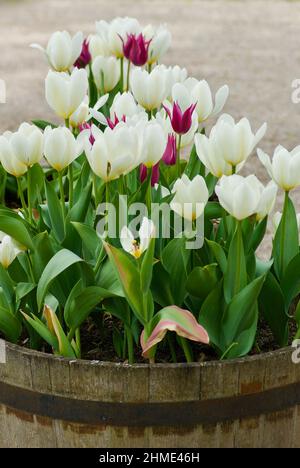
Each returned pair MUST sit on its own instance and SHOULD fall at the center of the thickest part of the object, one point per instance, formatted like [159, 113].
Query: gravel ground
[252, 45]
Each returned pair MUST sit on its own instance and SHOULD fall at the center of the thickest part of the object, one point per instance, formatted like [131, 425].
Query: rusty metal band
[187, 414]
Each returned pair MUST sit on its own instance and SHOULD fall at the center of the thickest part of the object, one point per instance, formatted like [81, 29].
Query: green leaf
[23, 289]
[239, 322]
[58, 264]
[175, 258]
[16, 227]
[147, 267]
[42, 124]
[213, 210]
[218, 254]
[235, 278]
[82, 302]
[9, 324]
[258, 235]
[89, 237]
[55, 212]
[42, 330]
[286, 242]
[202, 280]
[130, 279]
[64, 346]
[211, 314]
[272, 306]
[291, 281]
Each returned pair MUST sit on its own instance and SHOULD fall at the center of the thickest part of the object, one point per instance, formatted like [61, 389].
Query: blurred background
[252, 45]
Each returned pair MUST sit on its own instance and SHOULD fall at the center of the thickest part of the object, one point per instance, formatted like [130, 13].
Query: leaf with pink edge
[175, 319]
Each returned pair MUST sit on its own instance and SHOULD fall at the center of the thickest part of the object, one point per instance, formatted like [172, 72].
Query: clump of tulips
[133, 131]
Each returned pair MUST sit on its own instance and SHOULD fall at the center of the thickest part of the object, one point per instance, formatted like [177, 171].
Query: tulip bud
[191, 197]
[85, 57]
[65, 93]
[267, 200]
[135, 49]
[243, 197]
[154, 174]
[80, 115]
[60, 147]
[62, 50]
[106, 72]
[112, 34]
[154, 143]
[284, 168]
[149, 89]
[170, 154]
[21, 150]
[181, 116]
[8, 251]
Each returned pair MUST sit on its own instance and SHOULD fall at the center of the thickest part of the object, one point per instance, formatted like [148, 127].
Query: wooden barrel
[47, 401]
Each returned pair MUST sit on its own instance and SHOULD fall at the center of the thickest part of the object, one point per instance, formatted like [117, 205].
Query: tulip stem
[78, 341]
[71, 183]
[29, 195]
[186, 349]
[21, 195]
[178, 157]
[128, 76]
[122, 74]
[67, 123]
[62, 194]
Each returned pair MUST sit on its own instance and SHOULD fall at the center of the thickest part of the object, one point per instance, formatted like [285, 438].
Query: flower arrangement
[132, 211]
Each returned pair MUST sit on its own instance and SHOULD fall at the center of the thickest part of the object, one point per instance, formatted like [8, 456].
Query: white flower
[106, 72]
[240, 196]
[115, 151]
[60, 147]
[267, 200]
[202, 95]
[276, 221]
[191, 197]
[228, 146]
[111, 33]
[8, 250]
[284, 168]
[146, 233]
[97, 46]
[155, 142]
[62, 50]
[161, 39]
[21, 150]
[81, 114]
[124, 105]
[65, 93]
[149, 89]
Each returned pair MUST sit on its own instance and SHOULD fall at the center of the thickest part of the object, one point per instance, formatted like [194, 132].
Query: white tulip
[267, 200]
[284, 168]
[65, 93]
[201, 93]
[8, 251]
[161, 39]
[228, 146]
[111, 33]
[149, 89]
[97, 46]
[21, 150]
[106, 72]
[115, 151]
[276, 221]
[62, 50]
[124, 105]
[81, 114]
[155, 142]
[147, 232]
[240, 196]
[60, 147]
[191, 197]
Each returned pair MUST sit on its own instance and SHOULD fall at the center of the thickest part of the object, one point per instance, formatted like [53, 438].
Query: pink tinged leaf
[174, 319]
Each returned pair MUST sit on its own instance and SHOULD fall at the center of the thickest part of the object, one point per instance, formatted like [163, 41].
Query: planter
[51, 402]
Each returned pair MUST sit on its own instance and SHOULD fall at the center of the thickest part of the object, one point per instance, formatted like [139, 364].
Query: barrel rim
[264, 357]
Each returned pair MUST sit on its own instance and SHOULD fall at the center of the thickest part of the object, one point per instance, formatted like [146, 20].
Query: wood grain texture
[211, 383]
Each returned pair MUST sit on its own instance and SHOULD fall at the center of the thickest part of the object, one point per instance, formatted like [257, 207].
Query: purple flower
[155, 174]
[85, 56]
[87, 126]
[169, 157]
[181, 121]
[136, 49]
